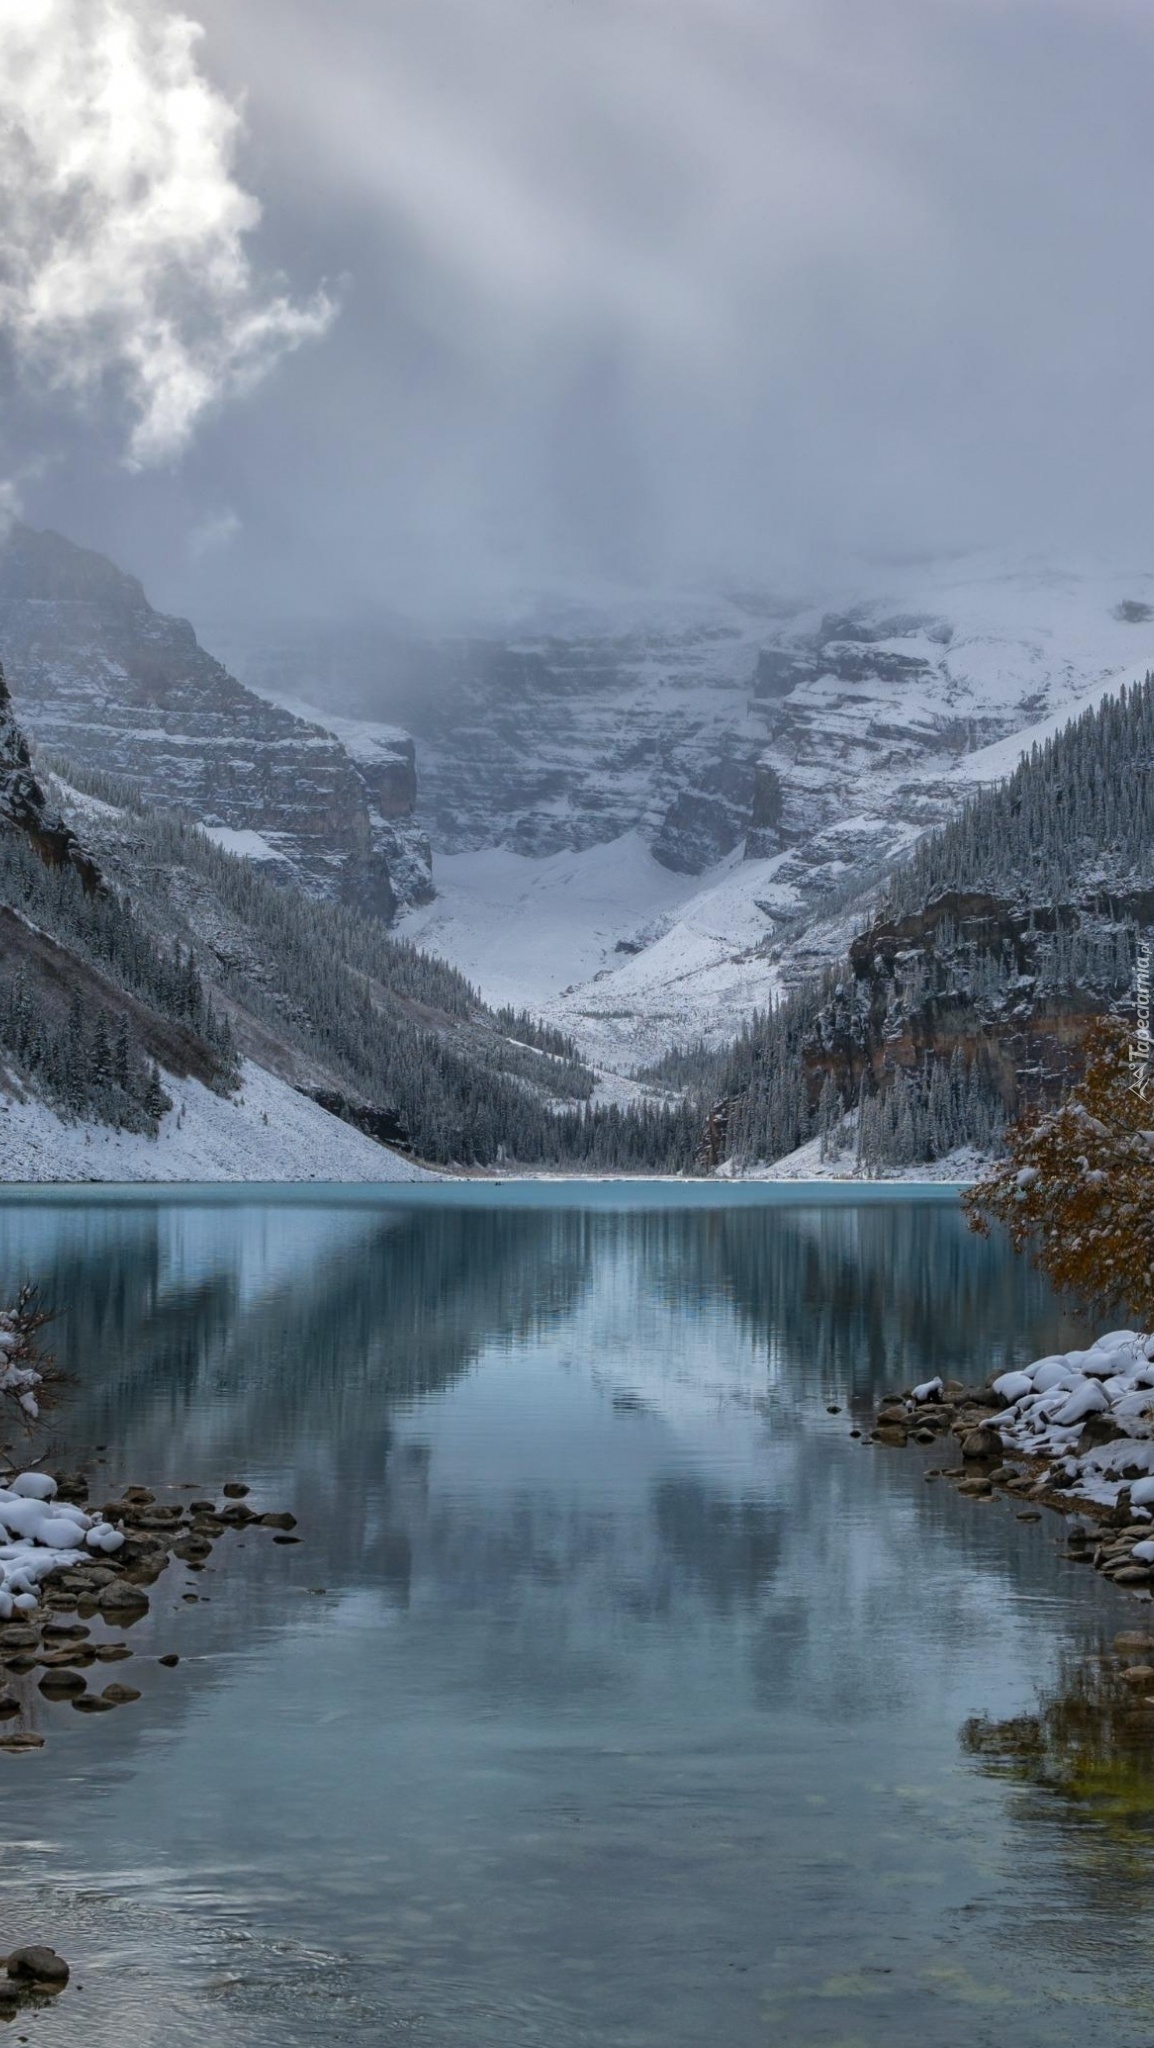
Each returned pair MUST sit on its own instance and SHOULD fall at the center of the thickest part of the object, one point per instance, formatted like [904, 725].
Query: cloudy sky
[392, 302]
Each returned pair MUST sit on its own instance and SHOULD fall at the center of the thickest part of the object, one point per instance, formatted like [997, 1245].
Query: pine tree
[156, 1101]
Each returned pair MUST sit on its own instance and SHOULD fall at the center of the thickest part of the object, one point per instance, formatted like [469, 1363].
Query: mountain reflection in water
[614, 1692]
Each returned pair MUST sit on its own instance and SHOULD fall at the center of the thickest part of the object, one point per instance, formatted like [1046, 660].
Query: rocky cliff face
[778, 757]
[826, 738]
[24, 806]
[99, 676]
[1015, 985]
[553, 741]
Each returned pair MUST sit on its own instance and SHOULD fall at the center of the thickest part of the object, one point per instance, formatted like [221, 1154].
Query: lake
[616, 1695]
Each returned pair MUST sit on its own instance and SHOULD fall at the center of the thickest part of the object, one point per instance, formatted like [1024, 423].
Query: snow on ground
[267, 1132]
[546, 933]
[245, 843]
[700, 978]
[962, 1165]
[526, 930]
[362, 738]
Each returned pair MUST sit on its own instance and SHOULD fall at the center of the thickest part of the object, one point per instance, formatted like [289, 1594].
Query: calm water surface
[614, 1695]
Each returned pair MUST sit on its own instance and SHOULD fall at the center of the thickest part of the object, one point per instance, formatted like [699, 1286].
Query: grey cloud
[656, 288]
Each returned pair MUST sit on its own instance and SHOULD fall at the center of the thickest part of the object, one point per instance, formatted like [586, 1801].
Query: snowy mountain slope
[266, 1132]
[528, 929]
[875, 717]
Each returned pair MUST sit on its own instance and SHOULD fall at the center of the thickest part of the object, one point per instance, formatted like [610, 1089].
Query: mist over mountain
[633, 469]
[634, 296]
[649, 819]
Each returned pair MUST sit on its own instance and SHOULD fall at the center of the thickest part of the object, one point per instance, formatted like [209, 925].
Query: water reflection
[628, 1710]
[1087, 1751]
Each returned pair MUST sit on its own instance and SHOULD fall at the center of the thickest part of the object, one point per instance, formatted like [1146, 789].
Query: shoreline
[574, 1191]
[1072, 1433]
[68, 1606]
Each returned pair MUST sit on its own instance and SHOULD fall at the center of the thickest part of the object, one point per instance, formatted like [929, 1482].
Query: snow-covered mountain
[649, 818]
[101, 677]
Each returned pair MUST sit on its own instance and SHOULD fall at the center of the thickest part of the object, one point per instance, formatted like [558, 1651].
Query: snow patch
[247, 845]
[266, 1132]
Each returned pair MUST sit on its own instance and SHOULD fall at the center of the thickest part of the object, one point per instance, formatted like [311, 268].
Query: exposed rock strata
[102, 678]
[978, 973]
[24, 805]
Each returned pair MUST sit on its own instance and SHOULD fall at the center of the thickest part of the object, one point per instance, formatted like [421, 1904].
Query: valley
[652, 817]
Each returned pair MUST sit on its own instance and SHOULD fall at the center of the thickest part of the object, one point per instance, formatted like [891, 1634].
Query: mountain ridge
[101, 677]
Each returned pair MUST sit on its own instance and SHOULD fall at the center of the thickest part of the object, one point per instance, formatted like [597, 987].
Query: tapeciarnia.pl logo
[1139, 1053]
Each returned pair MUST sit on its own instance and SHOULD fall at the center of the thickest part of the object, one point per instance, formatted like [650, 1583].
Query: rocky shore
[74, 1581]
[1072, 1432]
[70, 1603]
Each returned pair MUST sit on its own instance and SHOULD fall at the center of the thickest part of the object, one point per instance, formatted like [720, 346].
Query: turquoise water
[614, 1693]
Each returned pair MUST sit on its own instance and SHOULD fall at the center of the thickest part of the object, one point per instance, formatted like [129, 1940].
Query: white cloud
[123, 265]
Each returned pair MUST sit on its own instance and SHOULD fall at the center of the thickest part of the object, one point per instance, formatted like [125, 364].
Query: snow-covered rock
[40, 1535]
[1049, 1403]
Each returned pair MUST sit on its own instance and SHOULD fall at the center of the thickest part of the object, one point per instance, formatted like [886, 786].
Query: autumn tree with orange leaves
[1076, 1185]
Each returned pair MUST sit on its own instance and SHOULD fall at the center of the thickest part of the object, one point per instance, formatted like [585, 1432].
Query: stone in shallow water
[981, 1443]
[62, 1685]
[18, 1638]
[123, 1695]
[38, 1964]
[92, 1703]
[24, 1739]
[121, 1597]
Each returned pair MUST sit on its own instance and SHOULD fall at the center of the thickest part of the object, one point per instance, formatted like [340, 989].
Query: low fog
[342, 310]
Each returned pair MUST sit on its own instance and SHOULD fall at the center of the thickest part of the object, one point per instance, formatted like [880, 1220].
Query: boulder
[981, 1443]
[38, 1965]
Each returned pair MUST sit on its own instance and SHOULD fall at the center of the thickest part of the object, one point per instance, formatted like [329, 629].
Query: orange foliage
[1077, 1183]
